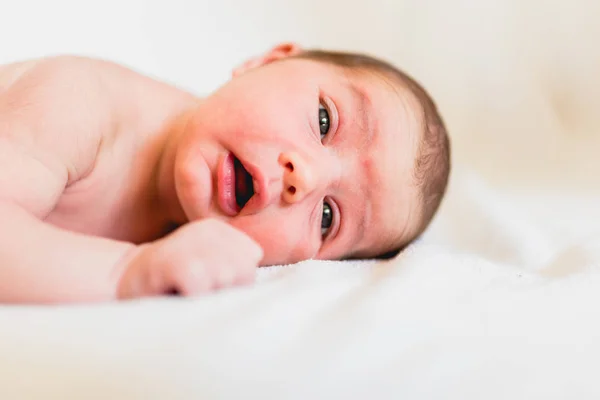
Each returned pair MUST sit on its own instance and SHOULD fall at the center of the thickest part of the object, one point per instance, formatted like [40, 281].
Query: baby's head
[316, 155]
[431, 167]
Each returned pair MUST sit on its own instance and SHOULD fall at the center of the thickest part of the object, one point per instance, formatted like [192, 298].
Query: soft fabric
[505, 307]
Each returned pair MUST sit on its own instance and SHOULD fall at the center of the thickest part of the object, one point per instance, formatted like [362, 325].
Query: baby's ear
[278, 52]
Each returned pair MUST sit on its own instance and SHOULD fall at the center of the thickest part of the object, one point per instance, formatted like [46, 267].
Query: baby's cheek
[281, 242]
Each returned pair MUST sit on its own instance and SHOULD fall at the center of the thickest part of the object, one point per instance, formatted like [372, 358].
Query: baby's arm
[40, 263]
[52, 119]
[43, 264]
[41, 152]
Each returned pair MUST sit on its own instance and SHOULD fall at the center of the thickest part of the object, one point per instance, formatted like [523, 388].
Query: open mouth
[244, 186]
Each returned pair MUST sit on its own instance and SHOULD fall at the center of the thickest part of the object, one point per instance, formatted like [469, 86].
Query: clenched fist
[199, 257]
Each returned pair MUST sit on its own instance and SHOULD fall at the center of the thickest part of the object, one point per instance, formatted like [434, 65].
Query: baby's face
[310, 160]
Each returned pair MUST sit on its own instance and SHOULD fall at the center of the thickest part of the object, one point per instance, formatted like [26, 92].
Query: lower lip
[226, 185]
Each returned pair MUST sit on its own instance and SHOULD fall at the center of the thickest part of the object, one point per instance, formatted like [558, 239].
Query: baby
[114, 185]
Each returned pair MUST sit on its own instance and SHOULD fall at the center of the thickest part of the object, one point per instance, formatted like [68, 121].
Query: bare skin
[69, 128]
[115, 186]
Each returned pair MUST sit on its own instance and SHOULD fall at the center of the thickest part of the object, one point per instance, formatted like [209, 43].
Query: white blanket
[495, 302]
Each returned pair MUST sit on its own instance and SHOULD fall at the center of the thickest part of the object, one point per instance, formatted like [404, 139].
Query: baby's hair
[432, 163]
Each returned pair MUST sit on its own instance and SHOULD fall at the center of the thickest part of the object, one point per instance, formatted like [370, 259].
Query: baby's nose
[299, 178]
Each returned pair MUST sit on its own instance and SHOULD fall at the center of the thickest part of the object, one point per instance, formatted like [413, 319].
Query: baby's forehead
[394, 106]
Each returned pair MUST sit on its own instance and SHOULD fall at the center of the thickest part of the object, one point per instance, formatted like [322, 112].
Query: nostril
[290, 166]
[292, 190]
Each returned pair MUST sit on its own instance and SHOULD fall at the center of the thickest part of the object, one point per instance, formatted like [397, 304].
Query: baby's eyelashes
[324, 121]
[326, 220]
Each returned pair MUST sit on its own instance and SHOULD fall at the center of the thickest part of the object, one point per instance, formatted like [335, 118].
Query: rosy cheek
[304, 249]
[281, 242]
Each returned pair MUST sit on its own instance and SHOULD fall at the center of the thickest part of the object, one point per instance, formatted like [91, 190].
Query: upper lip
[261, 195]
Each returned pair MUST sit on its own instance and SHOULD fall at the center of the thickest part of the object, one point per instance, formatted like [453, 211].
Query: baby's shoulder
[57, 110]
[10, 73]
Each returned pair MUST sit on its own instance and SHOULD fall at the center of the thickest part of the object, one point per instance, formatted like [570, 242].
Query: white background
[509, 75]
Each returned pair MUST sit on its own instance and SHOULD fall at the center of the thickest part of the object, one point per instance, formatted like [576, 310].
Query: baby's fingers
[189, 278]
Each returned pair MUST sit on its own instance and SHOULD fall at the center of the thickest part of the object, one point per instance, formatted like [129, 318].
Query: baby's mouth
[244, 187]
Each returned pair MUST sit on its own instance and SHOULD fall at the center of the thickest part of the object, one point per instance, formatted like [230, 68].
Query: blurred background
[516, 80]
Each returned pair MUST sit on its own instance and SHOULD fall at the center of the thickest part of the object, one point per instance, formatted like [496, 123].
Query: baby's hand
[199, 257]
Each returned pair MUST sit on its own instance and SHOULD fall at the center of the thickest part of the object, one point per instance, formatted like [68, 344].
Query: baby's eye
[323, 121]
[327, 219]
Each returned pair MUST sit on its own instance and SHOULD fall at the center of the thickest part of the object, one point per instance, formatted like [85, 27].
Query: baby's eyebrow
[363, 111]
[357, 203]
[361, 226]
[356, 230]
